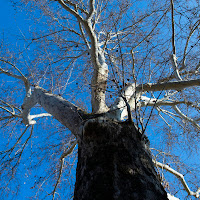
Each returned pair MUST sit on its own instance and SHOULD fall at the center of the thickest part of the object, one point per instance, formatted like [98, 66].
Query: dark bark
[114, 163]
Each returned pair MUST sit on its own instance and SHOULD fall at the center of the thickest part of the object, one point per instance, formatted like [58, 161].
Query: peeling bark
[114, 163]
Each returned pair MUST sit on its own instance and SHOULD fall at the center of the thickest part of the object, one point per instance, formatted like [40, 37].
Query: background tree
[103, 57]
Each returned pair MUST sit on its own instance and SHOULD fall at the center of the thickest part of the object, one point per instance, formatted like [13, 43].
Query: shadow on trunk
[113, 163]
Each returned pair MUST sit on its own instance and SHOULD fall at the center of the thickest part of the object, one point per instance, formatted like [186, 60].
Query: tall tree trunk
[114, 163]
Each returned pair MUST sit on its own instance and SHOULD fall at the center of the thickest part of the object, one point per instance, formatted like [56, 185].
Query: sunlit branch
[40, 115]
[100, 74]
[180, 177]
[175, 85]
[65, 112]
[92, 9]
[170, 126]
[189, 72]
[175, 67]
[171, 115]
[186, 118]
[84, 36]
[73, 12]
[76, 6]
[146, 101]
[133, 61]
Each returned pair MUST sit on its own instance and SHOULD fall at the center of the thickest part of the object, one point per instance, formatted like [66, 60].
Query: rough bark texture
[113, 163]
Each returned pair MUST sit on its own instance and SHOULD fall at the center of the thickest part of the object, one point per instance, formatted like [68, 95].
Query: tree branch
[186, 118]
[175, 85]
[22, 77]
[73, 12]
[146, 101]
[65, 154]
[92, 10]
[65, 112]
[196, 25]
[180, 177]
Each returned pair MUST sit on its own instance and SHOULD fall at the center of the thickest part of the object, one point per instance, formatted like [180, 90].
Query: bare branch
[175, 85]
[186, 118]
[18, 140]
[65, 112]
[22, 150]
[65, 154]
[196, 25]
[5, 61]
[175, 67]
[73, 12]
[11, 74]
[144, 39]
[146, 101]
[92, 9]
[22, 77]
[84, 36]
[179, 176]
[40, 115]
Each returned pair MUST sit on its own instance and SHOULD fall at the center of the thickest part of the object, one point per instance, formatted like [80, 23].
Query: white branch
[179, 176]
[186, 118]
[175, 67]
[146, 101]
[73, 12]
[92, 9]
[175, 85]
[40, 115]
[65, 112]
[119, 108]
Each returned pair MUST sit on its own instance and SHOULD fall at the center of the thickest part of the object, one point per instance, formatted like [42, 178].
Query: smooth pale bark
[175, 85]
[100, 68]
[114, 163]
[65, 112]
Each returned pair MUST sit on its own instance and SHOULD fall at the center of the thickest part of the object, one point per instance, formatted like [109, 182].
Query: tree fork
[114, 163]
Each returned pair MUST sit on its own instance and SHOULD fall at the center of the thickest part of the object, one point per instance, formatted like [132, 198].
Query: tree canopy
[126, 59]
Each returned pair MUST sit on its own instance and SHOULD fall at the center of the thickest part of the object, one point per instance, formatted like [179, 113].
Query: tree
[135, 63]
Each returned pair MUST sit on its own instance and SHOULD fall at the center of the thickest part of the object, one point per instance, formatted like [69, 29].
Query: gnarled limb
[65, 112]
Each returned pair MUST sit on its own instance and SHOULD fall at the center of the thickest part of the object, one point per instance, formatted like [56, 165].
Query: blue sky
[9, 21]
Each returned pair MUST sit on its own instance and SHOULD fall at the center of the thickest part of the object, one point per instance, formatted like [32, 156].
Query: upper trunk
[114, 163]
